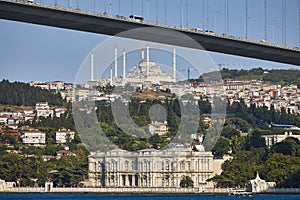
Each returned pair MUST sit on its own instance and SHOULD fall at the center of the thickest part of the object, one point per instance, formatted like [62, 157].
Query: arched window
[145, 165]
[132, 165]
[167, 165]
[112, 165]
[108, 166]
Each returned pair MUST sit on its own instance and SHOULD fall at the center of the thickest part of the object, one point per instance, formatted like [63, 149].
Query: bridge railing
[153, 24]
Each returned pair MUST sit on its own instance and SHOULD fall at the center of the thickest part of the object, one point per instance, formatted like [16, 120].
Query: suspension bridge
[107, 23]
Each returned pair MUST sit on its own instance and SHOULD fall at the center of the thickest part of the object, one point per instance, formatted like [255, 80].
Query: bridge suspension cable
[227, 18]
[246, 19]
[284, 22]
[165, 11]
[181, 12]
[187, 13]
[156, 11]
[265, 13]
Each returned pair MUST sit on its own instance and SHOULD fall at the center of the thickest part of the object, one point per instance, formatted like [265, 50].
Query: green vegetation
[241, 137]
[276, 76]
[186, 182]
[30, 165]
[272, 164]
[22, 94]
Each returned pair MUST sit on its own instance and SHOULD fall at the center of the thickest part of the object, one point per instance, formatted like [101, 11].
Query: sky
[39, 53]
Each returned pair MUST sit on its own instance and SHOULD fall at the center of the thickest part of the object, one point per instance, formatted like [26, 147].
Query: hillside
[22, 94]
[277, 76]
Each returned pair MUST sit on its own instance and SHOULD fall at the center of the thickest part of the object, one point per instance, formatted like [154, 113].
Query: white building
[274, 139]
[144, 74]
[34, 137]
[56, 85]
[42, 109]
[159, 128]
[150, 168]
[59, 111]
[259, 185]
[63, 135]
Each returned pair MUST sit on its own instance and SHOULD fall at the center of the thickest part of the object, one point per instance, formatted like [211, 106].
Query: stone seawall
[111, 190]
[134, 190]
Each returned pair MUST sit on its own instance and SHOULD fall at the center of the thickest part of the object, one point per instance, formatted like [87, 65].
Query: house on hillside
[42, 109]
[34, 137]
[62, 136]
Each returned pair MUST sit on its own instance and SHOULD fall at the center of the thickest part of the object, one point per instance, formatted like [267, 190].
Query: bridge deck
[112, 25]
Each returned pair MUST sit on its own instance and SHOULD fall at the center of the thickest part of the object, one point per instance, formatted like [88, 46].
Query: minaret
[111, 73]
[147, 53]
[92, 66]
[143, 56]
[124, 64]
[174, 64]
[147, 60]
[116, 62]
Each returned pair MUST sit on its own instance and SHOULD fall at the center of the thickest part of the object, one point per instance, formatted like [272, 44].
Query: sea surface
[146, 196]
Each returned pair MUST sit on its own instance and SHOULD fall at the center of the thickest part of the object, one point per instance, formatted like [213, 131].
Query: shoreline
[74, 190]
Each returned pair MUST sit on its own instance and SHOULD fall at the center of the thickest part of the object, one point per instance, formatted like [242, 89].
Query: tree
[9, 138]
[256, 140]
[221, 147]
[282, 169]
[288, 146]
[186, 182]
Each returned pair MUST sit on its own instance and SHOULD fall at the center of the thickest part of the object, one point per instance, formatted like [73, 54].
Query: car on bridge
[136, 18]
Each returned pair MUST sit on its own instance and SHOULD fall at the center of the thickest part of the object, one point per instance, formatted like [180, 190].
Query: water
[145, 197]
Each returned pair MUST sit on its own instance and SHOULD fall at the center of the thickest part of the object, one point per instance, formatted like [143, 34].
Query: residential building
[42, 109]
[34, 137]
[4, 118]
[59, 111]
[159, 128]
[62, 136]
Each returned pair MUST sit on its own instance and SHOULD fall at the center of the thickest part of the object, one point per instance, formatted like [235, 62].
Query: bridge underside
[109, 26]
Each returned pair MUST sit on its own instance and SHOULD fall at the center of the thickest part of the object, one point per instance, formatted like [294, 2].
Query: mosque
[145, 73]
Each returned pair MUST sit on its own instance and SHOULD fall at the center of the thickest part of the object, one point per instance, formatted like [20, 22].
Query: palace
[151, 168]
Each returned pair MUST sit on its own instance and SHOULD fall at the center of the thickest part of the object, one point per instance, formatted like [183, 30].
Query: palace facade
[151, 168]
